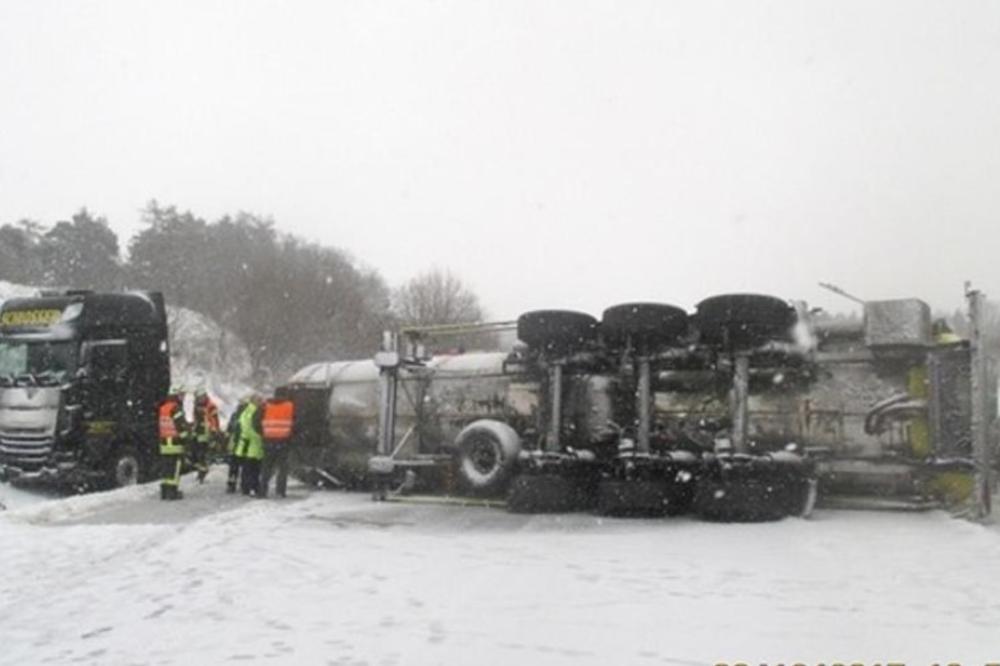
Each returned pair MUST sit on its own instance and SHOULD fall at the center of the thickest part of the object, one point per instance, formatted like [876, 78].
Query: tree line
[290, 301]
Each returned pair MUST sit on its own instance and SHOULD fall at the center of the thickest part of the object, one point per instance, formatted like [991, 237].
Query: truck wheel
[638, 497]
[644, 324]
[797, 496]
[545, 493]
[743, 320]
[486, 452]
[738, 501]
[556, 330]
[124, 468]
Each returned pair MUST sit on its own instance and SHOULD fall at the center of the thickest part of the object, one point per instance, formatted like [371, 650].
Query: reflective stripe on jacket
[171, 447]
[278, 418]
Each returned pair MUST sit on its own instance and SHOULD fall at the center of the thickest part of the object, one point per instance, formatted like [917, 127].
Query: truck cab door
[107, 383]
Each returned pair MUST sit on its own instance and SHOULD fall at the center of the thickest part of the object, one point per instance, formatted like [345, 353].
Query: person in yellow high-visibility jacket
[173, 433]
[250, 447]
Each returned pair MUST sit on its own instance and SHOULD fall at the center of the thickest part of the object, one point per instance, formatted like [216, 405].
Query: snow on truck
[81, 375]
[743, 410]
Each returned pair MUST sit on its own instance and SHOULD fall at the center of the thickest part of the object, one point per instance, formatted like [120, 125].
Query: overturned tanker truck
[746, 409]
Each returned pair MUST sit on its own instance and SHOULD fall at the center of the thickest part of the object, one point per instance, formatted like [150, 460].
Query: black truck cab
[81, 376]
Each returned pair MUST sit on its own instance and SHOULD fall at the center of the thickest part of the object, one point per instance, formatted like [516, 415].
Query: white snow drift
[123, 578]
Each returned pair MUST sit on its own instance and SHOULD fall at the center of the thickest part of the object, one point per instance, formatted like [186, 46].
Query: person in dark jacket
[233, 440]
[206, 430]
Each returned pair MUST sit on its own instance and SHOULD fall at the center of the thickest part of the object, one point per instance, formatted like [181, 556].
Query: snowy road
[329, 578]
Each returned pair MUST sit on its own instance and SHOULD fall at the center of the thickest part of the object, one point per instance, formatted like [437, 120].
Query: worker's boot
[170, 492]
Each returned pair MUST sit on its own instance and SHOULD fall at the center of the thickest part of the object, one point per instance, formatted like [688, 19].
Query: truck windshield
[42, 360]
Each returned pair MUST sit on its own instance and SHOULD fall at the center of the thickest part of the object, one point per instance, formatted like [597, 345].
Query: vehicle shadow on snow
[346, 510]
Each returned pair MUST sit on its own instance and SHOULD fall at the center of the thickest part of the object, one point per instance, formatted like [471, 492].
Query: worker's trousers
[199, 458]
[234, 472]
[275, 463]
[170, 476]
[250, 476]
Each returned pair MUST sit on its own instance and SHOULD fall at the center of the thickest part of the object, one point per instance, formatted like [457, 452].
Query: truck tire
[485, 453]
[766, 487]
[736, 501]
[743, 321]
[636, 497]
[545, 493]
[124, 468]
[556, 330]
[648, 325]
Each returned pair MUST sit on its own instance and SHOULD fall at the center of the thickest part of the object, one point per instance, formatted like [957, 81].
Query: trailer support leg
[980, 394]
[643, 407]
[387, 377]
[552, 443]
[740, 396]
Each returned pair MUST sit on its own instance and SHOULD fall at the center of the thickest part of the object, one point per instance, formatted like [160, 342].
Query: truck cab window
[108, 362]
[53, 359]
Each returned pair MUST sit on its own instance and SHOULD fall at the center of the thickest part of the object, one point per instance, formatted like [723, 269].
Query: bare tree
[439, 297]
[436, 297]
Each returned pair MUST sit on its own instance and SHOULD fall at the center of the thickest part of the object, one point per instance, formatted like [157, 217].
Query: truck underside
[747, 409]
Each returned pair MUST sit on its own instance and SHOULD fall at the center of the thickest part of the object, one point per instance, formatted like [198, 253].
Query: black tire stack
[743, 321]
[723, 487]
[552, 335]
[737, 487]
[557, 332]
[643, 326]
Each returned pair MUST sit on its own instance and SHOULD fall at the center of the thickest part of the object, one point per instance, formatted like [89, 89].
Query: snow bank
[30, 505]
[12, 290]
[204, 355]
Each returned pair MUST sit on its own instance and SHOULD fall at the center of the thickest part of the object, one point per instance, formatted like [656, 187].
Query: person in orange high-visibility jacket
[277, 426]
[206, 432]
[173, 433]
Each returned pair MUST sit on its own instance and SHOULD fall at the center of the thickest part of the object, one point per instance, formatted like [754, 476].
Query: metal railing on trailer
[400, 351]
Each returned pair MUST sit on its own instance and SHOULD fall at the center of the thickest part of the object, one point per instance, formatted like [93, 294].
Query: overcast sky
[552, 154]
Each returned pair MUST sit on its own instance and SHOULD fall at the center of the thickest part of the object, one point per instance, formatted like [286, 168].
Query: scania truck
[81, 375]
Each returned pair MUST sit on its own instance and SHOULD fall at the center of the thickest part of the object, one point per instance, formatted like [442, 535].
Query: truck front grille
[25, 451]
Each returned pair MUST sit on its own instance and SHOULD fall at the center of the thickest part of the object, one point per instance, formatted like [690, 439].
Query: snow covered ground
[333, 578]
